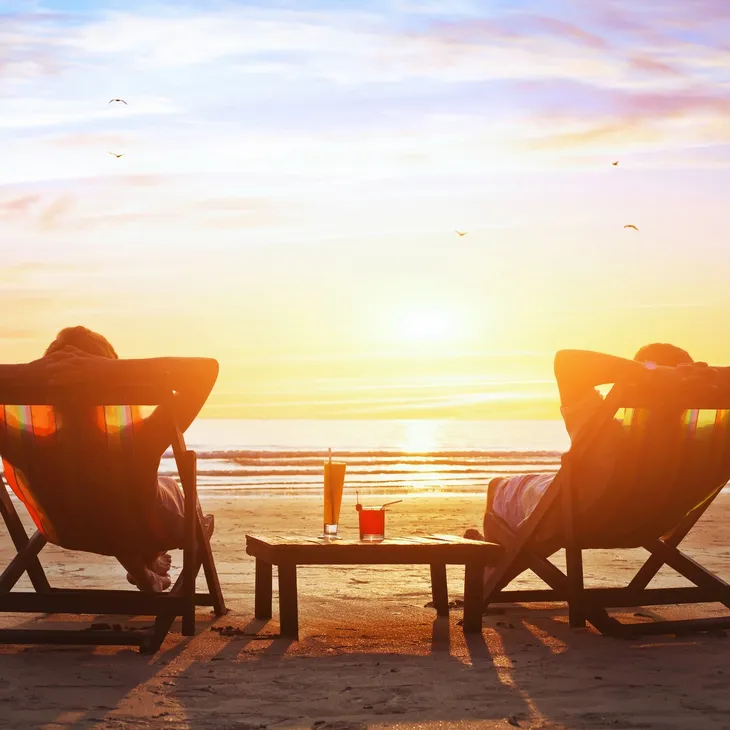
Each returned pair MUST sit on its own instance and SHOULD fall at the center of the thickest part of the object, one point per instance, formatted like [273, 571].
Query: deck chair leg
[507, 567]
[20, 539]
[191, 563]
[19, 564]
[553, 577]
[654, 563]
[211, 573]
[164, 622]
[558, 581]
[574, 564]
[691, 570]
[573, 555]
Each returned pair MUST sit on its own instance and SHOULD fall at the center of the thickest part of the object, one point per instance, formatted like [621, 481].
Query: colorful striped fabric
[670, 465]
[27, 429]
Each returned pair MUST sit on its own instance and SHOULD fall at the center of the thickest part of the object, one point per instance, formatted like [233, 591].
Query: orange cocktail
[334, 482]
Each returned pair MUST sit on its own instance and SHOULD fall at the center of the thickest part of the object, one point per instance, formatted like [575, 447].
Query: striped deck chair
[669, 471]
[35, 451]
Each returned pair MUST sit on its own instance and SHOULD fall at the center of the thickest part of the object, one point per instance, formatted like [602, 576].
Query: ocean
[382, 456]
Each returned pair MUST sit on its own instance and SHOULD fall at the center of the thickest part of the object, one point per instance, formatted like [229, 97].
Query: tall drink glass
[334, 482]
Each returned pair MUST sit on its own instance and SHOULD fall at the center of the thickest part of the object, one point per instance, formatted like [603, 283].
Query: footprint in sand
[339, 725]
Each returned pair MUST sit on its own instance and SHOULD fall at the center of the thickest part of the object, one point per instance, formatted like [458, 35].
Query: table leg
[473, 597]
[439, 589]
[288, 610]
[262, 591]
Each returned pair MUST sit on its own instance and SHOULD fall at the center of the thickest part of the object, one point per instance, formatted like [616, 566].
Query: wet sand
[371, 654]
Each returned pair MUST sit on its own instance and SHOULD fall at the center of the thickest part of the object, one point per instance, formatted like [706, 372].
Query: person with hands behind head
[80, 357]
[578, 374]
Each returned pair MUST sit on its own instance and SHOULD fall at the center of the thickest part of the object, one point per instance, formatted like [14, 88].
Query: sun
[426, 326]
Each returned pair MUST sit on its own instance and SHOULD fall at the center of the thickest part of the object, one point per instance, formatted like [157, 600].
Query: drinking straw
[387, 504]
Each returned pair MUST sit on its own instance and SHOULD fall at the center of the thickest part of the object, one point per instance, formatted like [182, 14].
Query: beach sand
[371, 654]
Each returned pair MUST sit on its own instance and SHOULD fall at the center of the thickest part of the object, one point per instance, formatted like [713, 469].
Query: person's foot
[150, 582]
[161, 564]
[473, 534]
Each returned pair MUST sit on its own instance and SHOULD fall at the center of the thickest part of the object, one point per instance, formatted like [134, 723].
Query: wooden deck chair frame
[589, 605]
[180, 601]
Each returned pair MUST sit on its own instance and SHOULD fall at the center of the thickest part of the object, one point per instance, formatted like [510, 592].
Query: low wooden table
[438, 551]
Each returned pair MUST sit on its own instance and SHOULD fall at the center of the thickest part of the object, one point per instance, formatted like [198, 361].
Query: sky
[293, 174]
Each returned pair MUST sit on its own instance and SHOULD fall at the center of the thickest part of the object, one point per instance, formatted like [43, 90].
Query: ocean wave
[320, 455]
[256, 473]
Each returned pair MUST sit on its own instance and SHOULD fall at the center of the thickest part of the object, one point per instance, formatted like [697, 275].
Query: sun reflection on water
[421, 436]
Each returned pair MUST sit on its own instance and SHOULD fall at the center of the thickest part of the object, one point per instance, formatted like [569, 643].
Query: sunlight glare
[421, 436]
[427, 326]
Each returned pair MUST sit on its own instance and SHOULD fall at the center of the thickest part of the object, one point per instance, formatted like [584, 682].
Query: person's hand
[69, 367]
[698, 372]
[664, 377]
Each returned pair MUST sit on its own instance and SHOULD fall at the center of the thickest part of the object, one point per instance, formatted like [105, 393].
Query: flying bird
[117, 155]
[462, 233]
[118, 100]
[631, 225]
[615, 164]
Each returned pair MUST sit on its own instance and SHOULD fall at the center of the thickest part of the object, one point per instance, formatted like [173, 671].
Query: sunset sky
[293, 174]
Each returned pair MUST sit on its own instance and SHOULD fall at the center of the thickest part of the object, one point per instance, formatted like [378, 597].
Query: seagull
[462, 233]
[114, 154]
[118, 100]
[615, 164]
[631, 225]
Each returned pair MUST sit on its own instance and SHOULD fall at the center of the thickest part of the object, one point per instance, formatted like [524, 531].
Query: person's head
[662, 353]
[83, 339]
[79, 415]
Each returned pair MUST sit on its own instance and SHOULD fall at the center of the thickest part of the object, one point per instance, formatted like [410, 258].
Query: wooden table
[438, 551]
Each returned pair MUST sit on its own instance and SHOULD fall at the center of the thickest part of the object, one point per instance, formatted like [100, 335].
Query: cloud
[19, 205]
[251, 88]
[16, 333]
[653, 67]
[102, 140]
[54, 214]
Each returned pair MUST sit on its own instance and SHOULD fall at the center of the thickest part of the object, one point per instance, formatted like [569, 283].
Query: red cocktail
[372, 523]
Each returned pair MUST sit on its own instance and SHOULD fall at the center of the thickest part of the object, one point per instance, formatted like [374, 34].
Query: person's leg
[493, 490]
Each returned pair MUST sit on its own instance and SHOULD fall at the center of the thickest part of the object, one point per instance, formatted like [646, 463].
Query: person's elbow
[568, 375]
[210, 372]
[202, 375]
[564, 363]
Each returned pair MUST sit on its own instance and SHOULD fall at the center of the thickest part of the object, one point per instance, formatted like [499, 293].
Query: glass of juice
[372, 523]
[334, 482]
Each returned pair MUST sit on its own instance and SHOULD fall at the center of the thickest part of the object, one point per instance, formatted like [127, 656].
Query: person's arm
[192, 378]
[29, 373]
[578, 372]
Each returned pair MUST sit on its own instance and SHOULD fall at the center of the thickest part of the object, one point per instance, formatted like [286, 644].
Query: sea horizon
[237, 456]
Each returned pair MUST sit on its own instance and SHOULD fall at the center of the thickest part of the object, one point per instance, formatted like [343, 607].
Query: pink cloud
[564, 29]
[19, 205]
[675, 105]
[616, 133]
[653, 66]
[510, 28]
